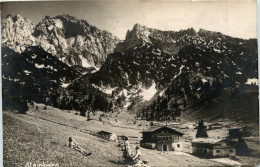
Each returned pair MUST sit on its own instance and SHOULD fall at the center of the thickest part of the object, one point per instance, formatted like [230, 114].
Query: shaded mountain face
[174, 71]
[32, 75]
[36, 75]
[73, 41]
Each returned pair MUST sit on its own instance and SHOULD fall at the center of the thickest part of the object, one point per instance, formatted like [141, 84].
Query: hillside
[230, 104]
[159, 80]
[41, 141]
[36, 75]
[43, 136]
[44, 131]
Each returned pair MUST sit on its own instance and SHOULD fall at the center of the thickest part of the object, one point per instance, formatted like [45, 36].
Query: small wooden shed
[104, 134]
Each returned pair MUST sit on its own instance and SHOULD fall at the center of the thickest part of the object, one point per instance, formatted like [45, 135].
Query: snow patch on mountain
[34, 56]
[204, 80]
[217, 50]
[64, 85]
[127, 104]
[106, 90]
[252, 81]
[149, 93]
[26, 72]
[84, 62]
[123, 92]
[180, 71]
[39, 65]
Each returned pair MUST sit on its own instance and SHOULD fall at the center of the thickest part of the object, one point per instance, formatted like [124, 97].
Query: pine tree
[201, 132]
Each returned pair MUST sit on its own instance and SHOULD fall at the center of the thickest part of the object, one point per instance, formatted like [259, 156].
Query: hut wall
[177, 146]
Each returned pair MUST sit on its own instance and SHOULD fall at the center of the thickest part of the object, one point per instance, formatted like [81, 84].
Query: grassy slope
[42, 135]
[28, 139]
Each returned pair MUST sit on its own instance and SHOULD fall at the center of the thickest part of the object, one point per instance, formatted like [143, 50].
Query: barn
[213, 147]
[108, 135]
[104, 134]
[162, 139]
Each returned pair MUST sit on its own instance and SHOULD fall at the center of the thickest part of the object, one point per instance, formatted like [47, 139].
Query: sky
[235, 18]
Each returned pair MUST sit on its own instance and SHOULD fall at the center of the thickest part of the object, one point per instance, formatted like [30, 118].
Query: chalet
[108, 135]
[213, 147]
[162, 139]
[104, 134]
[215, 126]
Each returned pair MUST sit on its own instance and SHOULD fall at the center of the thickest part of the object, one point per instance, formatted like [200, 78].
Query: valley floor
[42, 136]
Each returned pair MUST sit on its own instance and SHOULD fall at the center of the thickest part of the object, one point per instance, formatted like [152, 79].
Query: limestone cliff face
[73, 41]
[17, 32]
[168, 41]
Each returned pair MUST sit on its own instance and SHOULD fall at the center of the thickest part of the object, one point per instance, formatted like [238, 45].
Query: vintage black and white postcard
[137, 84]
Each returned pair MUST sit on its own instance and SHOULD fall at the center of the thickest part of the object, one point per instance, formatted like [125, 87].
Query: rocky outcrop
[17, 32]
[168, 41]
[73, 41]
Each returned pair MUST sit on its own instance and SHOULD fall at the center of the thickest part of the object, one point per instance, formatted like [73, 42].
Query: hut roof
[207, 140]
[155, 129]
[104, 132]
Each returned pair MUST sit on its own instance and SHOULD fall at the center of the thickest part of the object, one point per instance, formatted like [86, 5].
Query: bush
[21, 107]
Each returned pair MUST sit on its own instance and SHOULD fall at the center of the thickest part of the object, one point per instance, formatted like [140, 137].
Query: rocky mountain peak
[137, 36]
[169, 41]
[66, 16]
[15, 17]
[191, 31]
[17, 32]
[207, 33]
[138, 32]
[73, 41]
